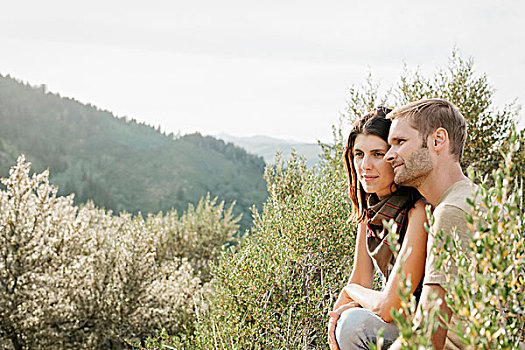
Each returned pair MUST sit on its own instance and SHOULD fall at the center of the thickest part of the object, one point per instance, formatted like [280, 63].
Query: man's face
[411, 161]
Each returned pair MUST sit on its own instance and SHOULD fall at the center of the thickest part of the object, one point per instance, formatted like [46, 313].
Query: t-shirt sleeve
[446, 218]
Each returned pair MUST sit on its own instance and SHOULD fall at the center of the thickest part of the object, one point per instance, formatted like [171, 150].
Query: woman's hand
[332, 323]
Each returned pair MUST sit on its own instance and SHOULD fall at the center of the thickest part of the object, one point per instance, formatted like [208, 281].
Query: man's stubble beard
[415, 169]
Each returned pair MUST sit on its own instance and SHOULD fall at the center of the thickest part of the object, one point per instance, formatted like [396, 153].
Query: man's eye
[400, 142]
[379, 154]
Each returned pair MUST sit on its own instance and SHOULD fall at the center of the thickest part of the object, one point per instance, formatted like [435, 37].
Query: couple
[398, 162]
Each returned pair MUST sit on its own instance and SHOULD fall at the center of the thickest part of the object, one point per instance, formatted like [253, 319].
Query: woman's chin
[369, 188]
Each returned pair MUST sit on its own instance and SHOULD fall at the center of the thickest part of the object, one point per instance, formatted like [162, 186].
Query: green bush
[271, 290]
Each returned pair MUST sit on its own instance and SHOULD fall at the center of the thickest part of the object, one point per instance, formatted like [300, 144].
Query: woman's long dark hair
[374, 123]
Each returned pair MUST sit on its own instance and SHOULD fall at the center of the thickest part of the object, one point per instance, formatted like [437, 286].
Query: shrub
[272, 290]
[83, 278]
[198, 235]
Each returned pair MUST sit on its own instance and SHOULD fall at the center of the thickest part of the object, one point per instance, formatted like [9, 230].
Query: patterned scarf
[395, 207]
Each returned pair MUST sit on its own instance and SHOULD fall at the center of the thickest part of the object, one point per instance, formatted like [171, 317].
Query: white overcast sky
[276, 68]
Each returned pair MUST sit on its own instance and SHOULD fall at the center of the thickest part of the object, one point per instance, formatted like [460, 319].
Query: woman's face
[374, 173]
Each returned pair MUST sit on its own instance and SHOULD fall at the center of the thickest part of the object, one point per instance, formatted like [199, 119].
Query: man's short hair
[427, 115]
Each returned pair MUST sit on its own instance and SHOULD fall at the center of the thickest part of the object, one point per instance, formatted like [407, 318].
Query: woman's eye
[359, 154]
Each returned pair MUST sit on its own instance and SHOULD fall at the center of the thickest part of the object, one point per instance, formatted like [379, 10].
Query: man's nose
[390, 155]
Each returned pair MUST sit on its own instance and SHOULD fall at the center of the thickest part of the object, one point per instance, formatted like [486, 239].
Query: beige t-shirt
[450, 213]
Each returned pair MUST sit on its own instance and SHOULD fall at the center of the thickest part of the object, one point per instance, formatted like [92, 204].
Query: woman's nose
[366, 163]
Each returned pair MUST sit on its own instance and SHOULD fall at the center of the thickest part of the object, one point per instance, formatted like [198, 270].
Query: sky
[276, 68]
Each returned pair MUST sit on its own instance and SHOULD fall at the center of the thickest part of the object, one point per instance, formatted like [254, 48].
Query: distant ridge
[267, 147]
[119, 163]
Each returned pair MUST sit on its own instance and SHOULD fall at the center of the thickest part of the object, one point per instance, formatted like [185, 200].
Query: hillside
[267, 147]
[118, 163]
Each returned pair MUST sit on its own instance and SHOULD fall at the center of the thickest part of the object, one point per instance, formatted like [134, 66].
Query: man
[427, 139]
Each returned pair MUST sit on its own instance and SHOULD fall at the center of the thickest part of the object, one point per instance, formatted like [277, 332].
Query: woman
[360, 311]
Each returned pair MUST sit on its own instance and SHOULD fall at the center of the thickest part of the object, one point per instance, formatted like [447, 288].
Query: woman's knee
[353, 327]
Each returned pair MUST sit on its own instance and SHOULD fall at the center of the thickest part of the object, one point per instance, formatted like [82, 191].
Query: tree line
[118, 163]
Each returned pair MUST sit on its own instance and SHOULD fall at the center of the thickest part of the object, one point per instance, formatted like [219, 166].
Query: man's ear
[439, 139]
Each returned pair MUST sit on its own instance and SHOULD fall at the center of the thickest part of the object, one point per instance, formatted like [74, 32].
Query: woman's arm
[363, 270]
[413, 251]
[362, 274]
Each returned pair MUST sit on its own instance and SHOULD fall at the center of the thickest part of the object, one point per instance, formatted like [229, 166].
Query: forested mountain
[121, 164]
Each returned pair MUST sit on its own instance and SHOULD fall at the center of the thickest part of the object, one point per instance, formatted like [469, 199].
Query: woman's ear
[439, 139]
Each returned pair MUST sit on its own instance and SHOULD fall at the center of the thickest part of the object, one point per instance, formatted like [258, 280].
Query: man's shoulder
[456, 197]
[451, 211]
[447, 216]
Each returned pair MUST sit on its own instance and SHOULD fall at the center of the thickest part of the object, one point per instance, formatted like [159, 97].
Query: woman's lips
[369, 178]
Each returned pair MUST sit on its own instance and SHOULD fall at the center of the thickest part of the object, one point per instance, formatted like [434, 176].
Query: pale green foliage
[198, 235]
[488, 291]
[83, 278]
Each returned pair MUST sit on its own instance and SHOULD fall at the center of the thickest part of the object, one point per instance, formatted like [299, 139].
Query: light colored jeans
[357, 328]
